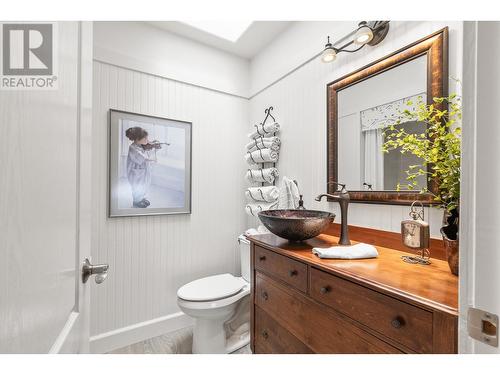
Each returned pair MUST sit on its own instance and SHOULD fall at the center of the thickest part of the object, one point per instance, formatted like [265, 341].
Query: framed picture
[149, 165]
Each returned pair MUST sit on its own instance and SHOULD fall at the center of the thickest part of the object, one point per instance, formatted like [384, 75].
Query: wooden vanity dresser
[303, 304]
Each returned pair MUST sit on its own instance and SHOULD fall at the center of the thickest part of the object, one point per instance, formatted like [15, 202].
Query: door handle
[99, 270]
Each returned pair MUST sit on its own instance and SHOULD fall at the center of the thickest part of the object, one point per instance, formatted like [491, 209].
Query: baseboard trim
[108, 341]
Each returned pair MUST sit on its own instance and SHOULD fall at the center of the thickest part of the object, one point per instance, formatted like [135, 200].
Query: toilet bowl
[220, 307]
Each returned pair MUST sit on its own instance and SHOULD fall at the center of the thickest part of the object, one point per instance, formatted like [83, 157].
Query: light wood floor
[178, 342]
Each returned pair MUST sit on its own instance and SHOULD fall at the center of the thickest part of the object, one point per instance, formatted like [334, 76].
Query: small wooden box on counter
[303, 304]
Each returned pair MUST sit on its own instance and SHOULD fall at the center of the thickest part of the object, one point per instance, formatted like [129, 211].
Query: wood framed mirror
[359, 101]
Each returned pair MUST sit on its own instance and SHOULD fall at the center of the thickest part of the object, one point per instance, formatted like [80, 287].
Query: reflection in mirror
[365, 111]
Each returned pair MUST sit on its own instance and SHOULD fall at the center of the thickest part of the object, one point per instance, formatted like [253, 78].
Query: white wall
[145, 48]
[480, 259]
[151, 257]
[297, 44]
[300, 102]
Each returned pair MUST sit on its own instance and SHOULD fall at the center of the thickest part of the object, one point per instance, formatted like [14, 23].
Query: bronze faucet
[341, 196]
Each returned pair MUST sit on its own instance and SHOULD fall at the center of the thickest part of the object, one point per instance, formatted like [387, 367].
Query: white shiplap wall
[151, 257]
[299, 101]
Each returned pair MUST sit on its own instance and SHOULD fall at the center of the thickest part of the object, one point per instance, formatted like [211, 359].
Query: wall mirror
[363, 103]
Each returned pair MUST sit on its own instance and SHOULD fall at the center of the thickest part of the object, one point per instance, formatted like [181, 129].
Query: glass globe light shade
[363, 35]
[329, 54]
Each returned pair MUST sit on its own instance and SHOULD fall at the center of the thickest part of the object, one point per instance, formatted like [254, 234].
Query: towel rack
[261, 131]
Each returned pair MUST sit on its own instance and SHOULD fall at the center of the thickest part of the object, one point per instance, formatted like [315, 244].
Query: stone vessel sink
[296, 225]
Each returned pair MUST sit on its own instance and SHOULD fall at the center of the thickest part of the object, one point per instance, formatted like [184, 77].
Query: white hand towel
[358, 251]
[264, 130]
[289, 194]
[274, 143]
[253, 209]
[263, 193]
[265, 155]
[260, 230]
[262, 175]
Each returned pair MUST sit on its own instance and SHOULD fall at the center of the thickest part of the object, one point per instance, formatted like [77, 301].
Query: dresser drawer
[271, 338]
[402, 322]
[290, 271]
[320, 328]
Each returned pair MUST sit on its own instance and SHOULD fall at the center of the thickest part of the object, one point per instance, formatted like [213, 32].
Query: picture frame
[149, 165]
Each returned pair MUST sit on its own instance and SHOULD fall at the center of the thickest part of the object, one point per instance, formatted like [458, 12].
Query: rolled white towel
[263, 193]
[267, 129]
[274, 143]
[262, 175]
[253, 209]
[358, 251]
[265, 155]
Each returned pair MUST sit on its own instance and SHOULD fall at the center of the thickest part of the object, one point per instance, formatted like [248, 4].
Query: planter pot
[451, 247]
[449, 231]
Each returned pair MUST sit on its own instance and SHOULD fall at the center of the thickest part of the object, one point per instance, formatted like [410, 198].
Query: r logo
[27, 49]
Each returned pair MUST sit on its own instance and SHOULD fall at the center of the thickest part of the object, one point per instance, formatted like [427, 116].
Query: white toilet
[220, 305]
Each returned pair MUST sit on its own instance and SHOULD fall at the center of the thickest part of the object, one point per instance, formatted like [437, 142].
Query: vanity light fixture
[371, 33]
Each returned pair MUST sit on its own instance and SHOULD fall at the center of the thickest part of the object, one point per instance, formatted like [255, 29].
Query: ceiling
[256, 37]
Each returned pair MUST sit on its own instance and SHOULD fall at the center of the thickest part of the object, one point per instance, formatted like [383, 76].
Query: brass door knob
[265, 334]
[265, 296]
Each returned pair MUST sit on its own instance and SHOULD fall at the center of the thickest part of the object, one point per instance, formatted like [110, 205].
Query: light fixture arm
[378, 28]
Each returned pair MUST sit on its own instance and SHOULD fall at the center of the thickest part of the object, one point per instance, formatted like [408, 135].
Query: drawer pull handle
[397, 323]
[262, 258]
[265, 296]
[324, 289]
[265, 334]
[292, 273]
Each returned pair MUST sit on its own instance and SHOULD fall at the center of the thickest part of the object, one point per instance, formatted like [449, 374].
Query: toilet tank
[244, 246]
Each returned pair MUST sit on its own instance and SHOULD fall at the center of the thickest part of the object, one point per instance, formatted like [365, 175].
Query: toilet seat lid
[211, 288]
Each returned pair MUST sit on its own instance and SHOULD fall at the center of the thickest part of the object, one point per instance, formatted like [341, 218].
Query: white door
[45, 203]
[480, 205]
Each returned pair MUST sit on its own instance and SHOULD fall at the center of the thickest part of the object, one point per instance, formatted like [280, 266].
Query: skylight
[229, 30]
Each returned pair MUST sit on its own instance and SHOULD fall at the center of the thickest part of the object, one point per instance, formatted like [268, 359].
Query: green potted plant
[438, 147]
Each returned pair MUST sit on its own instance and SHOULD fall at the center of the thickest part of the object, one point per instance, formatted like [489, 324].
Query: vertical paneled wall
[151, 257]
[299, 102]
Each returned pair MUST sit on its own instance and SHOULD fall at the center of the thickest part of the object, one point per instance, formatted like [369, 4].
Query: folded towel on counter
[274, 143]
[267, 129]
[253, 209]
[289, 194]
[263, 193]
[262, 175]
[358, 251]
[260, 230]
[265, 155]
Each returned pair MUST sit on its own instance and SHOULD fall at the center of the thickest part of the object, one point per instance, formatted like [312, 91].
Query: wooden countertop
[431, 286]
